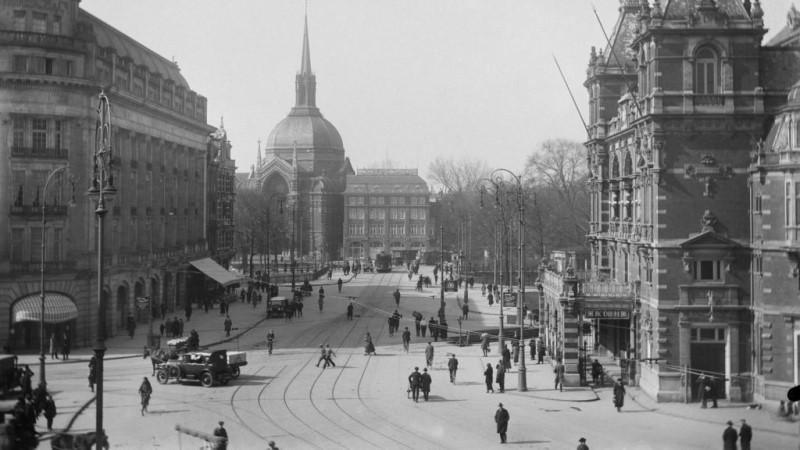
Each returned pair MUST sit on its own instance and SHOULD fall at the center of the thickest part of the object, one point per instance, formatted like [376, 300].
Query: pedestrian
[540, 351]
[321, 298]
[532, 345]
[396, 296]
[582, 444]
[322, 356]
[222, 433]
[271, 444]
[414, 383]
[406, 339]
[745, 435]
[188, 311]
[485, 344]
[483, 290]
[175, 327]
[619, 394]
[65, 345]
[501, 418]
[49, 411]
[423, 326]
[228, 325]
[161, 329]
[429, 355]
[329, 354]
[53, 346]
[26, 381]
[729, 437]
[180, 327]
[506, 356]
[350, 311]
[339, 283]
[417, 319]
[488, 376]
[465, 310]
[169, 327]
[130, 325]
[452, 366]
[490, 299]
[707, 391]
[92, 365]
[501, 375]
[145, 389]
[559, 371]
[434, 329]
[369, 346]
[597, 371]
[425, 383]
[515, 347]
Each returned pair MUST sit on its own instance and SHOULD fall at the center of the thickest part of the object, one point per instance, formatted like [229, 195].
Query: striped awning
[58, 308]
[214, 271]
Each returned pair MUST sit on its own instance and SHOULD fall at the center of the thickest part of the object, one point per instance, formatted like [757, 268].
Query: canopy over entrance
[58, 308]
[214, 271]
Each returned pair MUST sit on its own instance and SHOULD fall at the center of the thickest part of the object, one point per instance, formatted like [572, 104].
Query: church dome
[305, 131]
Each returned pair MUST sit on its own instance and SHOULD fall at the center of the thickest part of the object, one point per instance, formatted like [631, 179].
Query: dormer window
[705, 71]
[39, 24]
[19, 20]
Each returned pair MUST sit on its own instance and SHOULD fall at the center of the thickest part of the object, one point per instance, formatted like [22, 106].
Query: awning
[58, 308]
[214, 271]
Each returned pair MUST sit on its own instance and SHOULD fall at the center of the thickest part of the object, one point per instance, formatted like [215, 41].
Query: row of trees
[262, 229]
[478, 201]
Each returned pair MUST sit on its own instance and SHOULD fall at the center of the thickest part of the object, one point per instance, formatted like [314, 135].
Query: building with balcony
[54, 61]
[683, 104]
[387, 211]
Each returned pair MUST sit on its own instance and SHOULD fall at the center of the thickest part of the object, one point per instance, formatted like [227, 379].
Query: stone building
[387, 211]
[54, 61]
[678, 105]
[221, 189]
[304, 162]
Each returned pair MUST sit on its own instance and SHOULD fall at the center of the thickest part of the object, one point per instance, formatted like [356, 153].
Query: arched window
[705, 71]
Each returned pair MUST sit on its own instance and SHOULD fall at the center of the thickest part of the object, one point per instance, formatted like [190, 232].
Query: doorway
[708, 355]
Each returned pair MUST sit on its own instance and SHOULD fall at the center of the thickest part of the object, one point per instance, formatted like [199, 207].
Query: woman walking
[619, 394]
[144, 391]
[485, 344]
[53, 346]
[488, 374]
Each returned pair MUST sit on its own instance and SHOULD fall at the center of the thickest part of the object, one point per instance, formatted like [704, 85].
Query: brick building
[678, 105]
[54, 60]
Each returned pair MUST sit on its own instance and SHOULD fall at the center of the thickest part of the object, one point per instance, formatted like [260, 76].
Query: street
[362, 402]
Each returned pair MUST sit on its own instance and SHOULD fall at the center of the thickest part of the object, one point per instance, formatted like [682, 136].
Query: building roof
[386, 181]
[789, 33]
[126, 47]
[306, 130]
[622, 36]
[681, 9]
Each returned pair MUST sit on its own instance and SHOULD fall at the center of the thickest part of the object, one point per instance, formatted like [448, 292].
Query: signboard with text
[142, 303]
[617, 314]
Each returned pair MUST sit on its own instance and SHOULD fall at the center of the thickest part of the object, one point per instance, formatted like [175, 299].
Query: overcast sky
[403, 81]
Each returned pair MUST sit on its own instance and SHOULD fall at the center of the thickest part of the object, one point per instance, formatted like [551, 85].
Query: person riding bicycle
[270, 339]
[145, 389]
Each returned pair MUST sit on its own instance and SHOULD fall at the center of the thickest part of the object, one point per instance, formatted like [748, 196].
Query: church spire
[305, 81]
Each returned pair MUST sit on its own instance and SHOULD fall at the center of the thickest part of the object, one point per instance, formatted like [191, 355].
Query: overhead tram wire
[585, 127]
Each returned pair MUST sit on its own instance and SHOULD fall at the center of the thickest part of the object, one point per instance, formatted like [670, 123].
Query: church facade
[304, 163]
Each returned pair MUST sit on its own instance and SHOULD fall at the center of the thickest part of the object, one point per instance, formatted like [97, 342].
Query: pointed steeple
[305, 81]
[258, 161]
[221, 123]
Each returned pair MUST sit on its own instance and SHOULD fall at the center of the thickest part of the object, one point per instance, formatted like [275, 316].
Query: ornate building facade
[678, 103]
[221, 196]
[304, 161]
[54, 61]
[386, 211]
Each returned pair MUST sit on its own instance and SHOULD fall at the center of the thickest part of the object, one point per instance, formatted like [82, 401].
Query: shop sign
[618, 314]
[142, 303]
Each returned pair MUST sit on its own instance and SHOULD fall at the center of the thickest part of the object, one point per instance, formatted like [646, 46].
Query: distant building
[221, 188]
[304, 161]
[54, 60]
[386, 210]
[688, 119]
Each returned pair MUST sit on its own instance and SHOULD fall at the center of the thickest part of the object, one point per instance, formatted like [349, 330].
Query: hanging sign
[616, 314]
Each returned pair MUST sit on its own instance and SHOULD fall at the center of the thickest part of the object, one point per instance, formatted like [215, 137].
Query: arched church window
[706, 71]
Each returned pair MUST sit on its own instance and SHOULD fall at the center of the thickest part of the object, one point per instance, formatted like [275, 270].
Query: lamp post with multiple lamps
[102, 188]
[72, 180]
[497, 204]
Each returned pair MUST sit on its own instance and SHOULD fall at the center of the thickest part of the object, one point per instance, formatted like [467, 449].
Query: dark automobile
[207, 368]
[277, 306]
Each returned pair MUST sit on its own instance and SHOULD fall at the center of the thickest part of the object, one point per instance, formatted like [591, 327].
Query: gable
[709, 240]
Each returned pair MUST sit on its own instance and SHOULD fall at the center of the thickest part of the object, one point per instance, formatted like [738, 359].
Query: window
[615, 204]
[705, 269]
[356, 200]
[19, 20]
[757, 203]
[56, 24]
[708, 334]
[36, 244]
[355, 229]
[355, 213]
[39, 24]
[397, 229]
[376, 228]
[39, 134]
[787, 213]
[377, 200]
[705, 71]
[18, 182]
[19, 132]
[418, 229]
[17, 244]
[377, 214]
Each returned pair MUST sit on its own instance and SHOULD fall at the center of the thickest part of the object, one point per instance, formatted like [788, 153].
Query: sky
[404, 81]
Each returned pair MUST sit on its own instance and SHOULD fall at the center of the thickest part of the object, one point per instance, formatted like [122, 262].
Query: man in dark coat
[501, 375]
[501, 418]
[350, 311]
[506, 357]
[429, 355]
[414, 382]
[425, 383]
[745, 435]
[707, 390]
[465, 310]
[452, 366]
[228, 325]
[729, 437]
[221, 433]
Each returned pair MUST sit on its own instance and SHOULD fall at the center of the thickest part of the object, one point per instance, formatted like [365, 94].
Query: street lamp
[72, 179]
[102, 186]
[499, 300]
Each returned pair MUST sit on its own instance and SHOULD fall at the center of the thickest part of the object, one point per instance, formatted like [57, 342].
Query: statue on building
[708, 221]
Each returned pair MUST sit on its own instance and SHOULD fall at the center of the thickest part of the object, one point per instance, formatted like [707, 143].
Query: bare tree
[458, 174]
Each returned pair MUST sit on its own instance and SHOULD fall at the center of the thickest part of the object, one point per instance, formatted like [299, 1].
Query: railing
[49, 266]
[709, 100]
[42, 153]
[587, 287]
[36, 210]
[25, 37]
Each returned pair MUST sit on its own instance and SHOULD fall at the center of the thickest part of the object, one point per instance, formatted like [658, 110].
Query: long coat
[729, 437]
[489, 375]
[619, 395]
[501, 418]
[425, 382]
[501, 373]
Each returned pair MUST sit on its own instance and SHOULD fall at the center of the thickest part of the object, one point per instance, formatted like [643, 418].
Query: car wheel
[161, 376]
[235, 371]
[206, 379]
[174, 372]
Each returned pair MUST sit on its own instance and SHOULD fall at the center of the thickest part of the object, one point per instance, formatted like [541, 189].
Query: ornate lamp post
[497, 204]
[101, 188]
[72, 179]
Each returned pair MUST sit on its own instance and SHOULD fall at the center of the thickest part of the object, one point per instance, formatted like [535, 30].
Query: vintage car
[277, 306]
[9, 374]
[207, 368]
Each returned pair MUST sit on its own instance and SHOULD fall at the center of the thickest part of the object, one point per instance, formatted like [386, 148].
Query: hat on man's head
[426, 369]
[416, 368]
[221, 422]
[730, 423]
[500, 405]
[582, 440]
